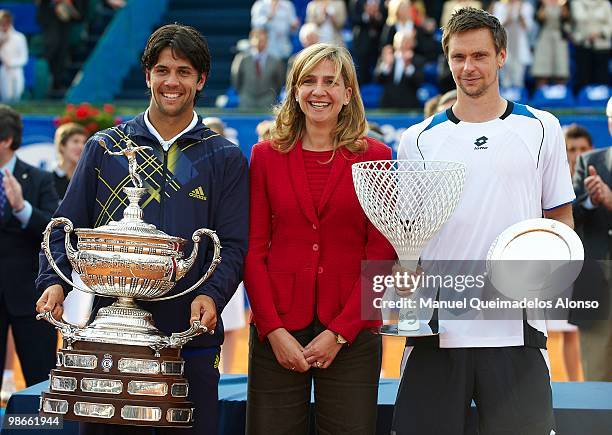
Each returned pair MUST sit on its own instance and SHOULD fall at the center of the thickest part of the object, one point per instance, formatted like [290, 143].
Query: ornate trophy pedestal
[118, 384]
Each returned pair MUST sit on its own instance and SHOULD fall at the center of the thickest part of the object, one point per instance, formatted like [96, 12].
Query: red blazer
[299, 261]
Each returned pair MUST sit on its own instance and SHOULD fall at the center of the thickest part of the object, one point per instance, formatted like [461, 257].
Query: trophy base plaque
[424, 331]
[119, 384]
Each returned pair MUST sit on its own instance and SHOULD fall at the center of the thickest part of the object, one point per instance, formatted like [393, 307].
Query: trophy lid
[129, 229]
[132, 226]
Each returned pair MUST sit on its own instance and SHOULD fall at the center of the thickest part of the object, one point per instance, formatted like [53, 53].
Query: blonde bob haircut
[65, 132]
[291, 121]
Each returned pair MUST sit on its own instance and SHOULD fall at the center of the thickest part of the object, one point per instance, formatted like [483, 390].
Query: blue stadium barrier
[553, 96]
[38, 131]
[594, 96]
[24, 16]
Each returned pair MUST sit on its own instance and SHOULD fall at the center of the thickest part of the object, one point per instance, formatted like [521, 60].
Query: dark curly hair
[185, 41]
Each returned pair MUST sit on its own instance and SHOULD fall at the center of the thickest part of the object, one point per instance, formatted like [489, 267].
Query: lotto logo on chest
[481, 143]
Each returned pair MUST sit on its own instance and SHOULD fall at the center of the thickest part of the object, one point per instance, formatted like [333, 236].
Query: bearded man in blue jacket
[194, 178]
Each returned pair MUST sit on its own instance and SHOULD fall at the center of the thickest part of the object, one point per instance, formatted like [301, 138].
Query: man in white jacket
[14, 56]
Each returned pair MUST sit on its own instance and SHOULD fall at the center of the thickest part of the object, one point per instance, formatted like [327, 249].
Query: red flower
[108, 108]
[82, 112]
[70, 108]
[57, 122]
[118, 121]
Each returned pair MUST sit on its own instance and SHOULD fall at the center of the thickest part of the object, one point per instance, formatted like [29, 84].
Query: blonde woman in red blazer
[308, 237]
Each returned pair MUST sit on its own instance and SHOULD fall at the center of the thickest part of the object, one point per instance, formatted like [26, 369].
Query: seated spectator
[330, 16]
[577, 141]
[279, 19]
[400, 71]
[591, 33]
[14, 56]
[551, 56]
[309, 35]
[439, 103]
[368, 18]
[517, 18]
[403, 16]
[256, 75]
[69, 142]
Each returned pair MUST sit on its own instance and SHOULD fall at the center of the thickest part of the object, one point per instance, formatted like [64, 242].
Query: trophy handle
[71, 253]
[178, 339]
[68, 330]
[183, 266]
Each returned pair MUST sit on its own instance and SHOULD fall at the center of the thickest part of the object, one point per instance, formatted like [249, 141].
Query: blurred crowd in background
[395, 45]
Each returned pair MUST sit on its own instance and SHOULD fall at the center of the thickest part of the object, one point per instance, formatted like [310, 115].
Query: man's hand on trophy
[405, 279]
[203, 308]
[52, 300]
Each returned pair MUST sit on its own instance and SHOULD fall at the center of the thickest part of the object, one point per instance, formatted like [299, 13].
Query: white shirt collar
[167, 143]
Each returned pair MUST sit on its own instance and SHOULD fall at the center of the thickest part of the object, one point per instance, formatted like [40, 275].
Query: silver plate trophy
[408, 201]
[535, 258]
[121, 369]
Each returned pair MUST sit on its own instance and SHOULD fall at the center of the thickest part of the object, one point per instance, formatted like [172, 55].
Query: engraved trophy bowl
[408, 201]
[121, 369]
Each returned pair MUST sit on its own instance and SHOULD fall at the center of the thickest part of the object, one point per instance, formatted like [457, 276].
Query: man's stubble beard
[482, 90]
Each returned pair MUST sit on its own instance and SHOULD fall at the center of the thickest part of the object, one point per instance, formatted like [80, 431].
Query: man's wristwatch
[340, 339]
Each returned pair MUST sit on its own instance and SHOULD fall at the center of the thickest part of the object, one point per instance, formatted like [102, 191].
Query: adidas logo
[198, 192]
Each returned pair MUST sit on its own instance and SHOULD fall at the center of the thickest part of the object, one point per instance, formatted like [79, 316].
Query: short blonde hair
[291, 121]
[264, 129]
[64, 132]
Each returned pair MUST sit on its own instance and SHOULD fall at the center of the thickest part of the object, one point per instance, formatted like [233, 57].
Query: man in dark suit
[368, 18]
[593, 218]
[27, 201]
[257, 76]
[401, 73]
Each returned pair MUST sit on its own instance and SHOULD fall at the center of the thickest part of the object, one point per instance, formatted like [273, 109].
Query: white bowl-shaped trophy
[408, 201]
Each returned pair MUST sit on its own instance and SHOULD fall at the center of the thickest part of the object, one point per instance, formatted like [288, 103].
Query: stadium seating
[371, 94]
[516, 94]
[426, 91]
[552, 96]
[594, 96]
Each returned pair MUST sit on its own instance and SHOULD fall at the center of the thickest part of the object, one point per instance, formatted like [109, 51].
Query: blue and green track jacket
[201, 181]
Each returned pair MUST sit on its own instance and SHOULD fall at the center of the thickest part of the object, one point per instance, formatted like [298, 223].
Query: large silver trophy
[408, 201]
[121, 369]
